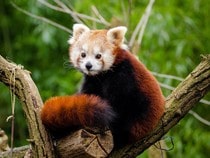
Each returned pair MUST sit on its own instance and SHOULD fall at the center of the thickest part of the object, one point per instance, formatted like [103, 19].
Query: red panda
[118, 91]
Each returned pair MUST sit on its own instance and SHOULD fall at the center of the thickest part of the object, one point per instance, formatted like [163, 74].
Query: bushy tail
[66, 112]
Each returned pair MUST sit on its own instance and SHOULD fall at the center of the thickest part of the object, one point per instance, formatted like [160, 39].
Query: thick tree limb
[85, 144]
[28, 94]
[181, 100]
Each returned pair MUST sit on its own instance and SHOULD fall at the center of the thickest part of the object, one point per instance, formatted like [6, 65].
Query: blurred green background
[177, 33]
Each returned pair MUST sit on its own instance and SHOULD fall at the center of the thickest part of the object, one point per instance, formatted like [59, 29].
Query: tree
[181, 100]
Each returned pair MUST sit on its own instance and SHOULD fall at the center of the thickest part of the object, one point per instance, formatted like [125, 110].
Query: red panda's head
[92, 51]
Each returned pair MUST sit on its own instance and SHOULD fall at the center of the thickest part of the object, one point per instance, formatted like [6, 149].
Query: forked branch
[181, 100]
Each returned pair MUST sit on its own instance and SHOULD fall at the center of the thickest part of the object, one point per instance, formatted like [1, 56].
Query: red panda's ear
[78, 30]
[116, 35]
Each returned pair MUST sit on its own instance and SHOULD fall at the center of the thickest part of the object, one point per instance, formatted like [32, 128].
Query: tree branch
[44, 19]
[181, 100]
[17, 152]
[28, 94]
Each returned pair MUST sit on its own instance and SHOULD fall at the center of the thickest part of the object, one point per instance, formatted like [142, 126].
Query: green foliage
[176, 34]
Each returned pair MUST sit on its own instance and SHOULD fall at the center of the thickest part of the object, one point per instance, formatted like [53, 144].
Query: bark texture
[17, 152]
[84, 144]
[19, 80]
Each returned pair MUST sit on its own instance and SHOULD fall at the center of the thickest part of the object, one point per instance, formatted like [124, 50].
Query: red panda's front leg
[140, 128]
[67, 112]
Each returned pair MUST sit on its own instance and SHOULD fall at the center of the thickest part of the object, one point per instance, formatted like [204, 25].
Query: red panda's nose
[88, 66]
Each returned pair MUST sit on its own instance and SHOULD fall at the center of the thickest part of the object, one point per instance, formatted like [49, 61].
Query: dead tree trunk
[181, 100]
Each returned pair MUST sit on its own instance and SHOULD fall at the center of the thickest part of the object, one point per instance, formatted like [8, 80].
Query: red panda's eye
[98, 56]
[83, 55]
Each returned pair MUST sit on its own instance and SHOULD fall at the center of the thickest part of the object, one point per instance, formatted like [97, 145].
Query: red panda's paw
[138, 131]
[142, 128]
[81, 110]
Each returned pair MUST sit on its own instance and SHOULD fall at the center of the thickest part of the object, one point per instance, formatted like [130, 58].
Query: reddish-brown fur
[66, 112]
[143, 127]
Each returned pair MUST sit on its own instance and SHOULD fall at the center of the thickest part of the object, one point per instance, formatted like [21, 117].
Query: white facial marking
[85, 47]
[108, 59]
[96, 50]
[88, 55]
[74, 55]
